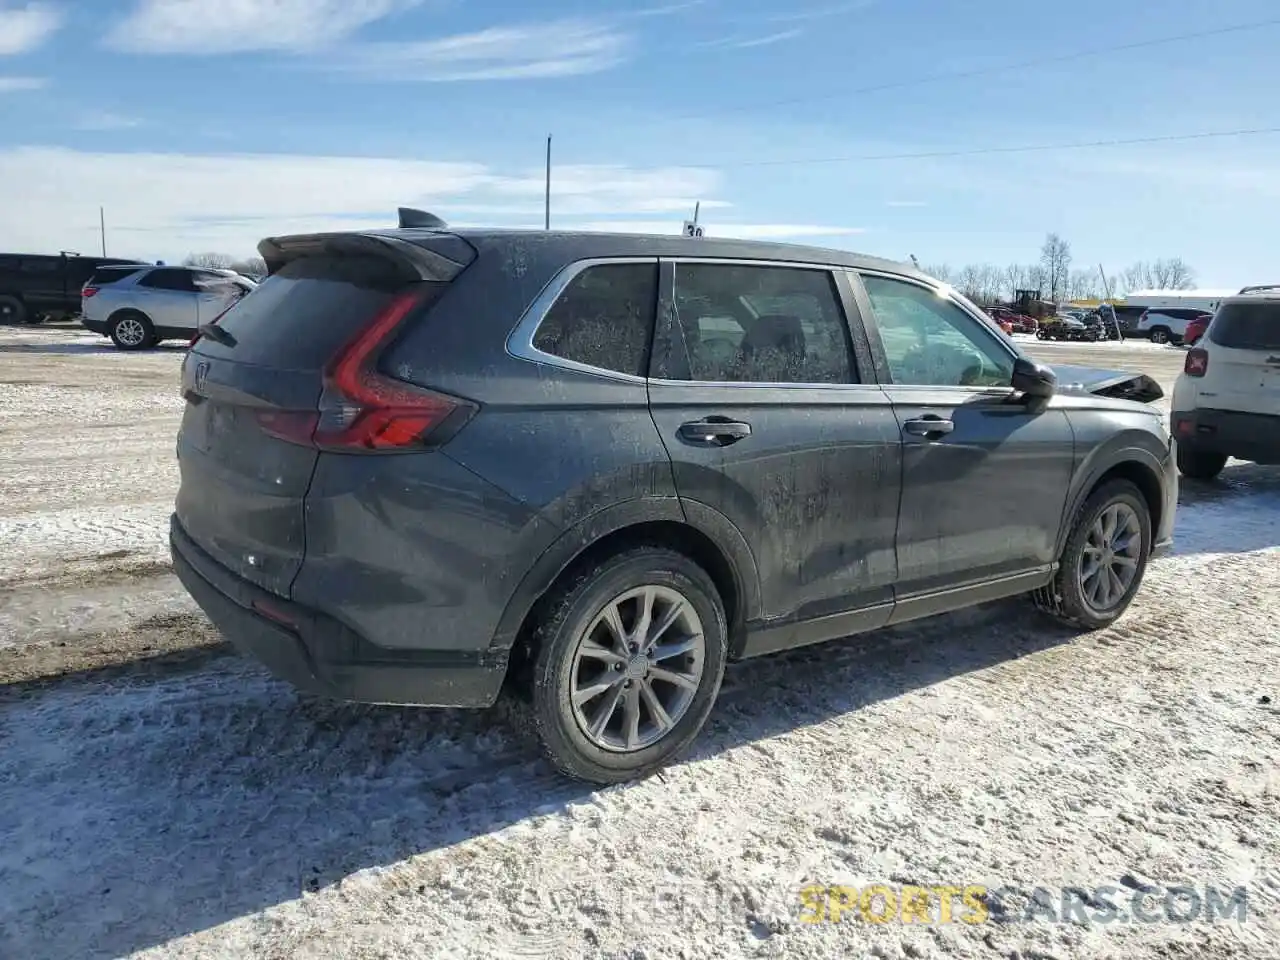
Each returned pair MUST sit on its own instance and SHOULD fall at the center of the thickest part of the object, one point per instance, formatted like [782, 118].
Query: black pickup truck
[34, 286]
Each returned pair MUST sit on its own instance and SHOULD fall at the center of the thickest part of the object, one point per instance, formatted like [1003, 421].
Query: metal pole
[102, 229]
[546, 221]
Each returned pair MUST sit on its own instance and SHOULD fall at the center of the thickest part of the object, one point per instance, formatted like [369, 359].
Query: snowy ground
[160, 798]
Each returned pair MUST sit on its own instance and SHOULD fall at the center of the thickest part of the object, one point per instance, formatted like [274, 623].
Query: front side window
[929, 341]
[603, 318]
[736, 323]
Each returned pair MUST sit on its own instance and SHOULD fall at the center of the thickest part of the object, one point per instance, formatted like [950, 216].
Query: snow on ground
[204, 809]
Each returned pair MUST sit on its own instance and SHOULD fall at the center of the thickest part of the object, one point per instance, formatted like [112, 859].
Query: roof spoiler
[415, 262]
[409, 217]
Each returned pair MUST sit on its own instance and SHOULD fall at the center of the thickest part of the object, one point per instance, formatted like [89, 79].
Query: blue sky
[207, 125]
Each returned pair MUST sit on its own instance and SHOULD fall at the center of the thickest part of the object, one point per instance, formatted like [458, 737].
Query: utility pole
[546, 219]
[102, 229]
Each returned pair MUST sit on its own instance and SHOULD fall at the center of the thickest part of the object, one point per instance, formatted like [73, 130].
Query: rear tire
[12, 310]
[1104, 560]
[593, 637]
[131, 330]
[1200, 464]
[1160, 335]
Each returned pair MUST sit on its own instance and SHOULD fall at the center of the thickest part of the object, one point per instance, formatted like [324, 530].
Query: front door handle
[713, 432]
[928, 427]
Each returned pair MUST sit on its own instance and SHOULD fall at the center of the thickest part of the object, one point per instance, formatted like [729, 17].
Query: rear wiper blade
[216, 333]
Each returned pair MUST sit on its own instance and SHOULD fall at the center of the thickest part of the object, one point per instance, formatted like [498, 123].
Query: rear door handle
[713, 432]
[928, 426]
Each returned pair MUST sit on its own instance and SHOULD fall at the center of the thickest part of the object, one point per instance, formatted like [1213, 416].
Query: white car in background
[139, 306]
[1166, 324]
[1226, 403]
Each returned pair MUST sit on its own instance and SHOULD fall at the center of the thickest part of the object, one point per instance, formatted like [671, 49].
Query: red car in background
[1011, 322]
[1196, 328]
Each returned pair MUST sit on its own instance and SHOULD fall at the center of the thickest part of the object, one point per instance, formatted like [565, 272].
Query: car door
[985, 474]
[756, 393]
[169, 299]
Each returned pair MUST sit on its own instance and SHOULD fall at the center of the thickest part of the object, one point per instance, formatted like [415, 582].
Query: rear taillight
[362, 410]
[1197, 363]
[88, 292]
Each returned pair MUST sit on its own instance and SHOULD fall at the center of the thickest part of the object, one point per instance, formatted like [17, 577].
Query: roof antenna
[410, 217]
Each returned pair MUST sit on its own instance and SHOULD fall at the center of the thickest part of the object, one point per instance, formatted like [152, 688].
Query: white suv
[1166, 324]
[139, 306]
[1227, 400]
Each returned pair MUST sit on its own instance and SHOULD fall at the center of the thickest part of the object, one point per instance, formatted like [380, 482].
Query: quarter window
[756, 324]
[603, 318]
[930, 341]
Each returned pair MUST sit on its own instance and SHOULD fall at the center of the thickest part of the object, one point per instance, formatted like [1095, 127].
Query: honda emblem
[202, 374]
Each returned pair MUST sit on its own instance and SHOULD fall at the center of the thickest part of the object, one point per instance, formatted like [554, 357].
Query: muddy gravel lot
[160, 797]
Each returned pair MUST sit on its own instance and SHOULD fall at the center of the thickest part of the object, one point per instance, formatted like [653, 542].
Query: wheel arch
[1136, 464]
[695, 530]
[119, 312]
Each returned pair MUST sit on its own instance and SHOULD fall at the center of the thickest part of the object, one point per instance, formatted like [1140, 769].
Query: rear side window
[740, 323]
[302, 316]
[40, 265]
[169, 280]
[1247, 326]
[603, 318]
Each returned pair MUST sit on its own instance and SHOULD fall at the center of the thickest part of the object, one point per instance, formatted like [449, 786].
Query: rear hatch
[291, 370]
[1243, 368]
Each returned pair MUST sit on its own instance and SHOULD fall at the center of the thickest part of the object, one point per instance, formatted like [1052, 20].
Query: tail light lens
[88, 292]
[1197, 363]
[361, 410]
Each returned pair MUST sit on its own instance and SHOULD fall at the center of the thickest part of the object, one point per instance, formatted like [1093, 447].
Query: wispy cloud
[818, 13]
[18, 84]
[745, 43]
[107, 120]
[906, 203]
[663, 10]
[24, 26]
[560, 48]
[232, 26]
[170, 204]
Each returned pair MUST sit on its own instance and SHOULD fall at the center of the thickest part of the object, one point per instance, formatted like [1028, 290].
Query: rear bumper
[318, 654]
[96, 326]
[1247, 436]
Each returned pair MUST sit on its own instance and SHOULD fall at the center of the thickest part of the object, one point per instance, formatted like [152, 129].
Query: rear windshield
[300, 317]
[1247, 326]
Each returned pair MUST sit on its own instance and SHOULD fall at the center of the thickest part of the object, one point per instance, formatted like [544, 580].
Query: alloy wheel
[1110, 557]
[130, 332]
[637, 668]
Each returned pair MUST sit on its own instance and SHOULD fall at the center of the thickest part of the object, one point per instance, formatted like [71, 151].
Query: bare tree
[1172, 274]
[970, 281]
[941, 271]
[1055, 258]
[214, 261]
[1015, 279]
[1083, 285]
[250, 267]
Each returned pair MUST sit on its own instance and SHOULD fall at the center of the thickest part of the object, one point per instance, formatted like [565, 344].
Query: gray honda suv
[422, 464]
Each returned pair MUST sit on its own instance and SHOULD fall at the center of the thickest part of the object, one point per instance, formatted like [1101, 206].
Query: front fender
[1138, 447]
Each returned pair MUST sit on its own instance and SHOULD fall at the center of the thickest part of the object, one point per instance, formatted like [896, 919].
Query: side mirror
[1033, 379]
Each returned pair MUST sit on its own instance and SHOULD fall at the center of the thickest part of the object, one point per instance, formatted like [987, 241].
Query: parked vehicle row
[411, 474]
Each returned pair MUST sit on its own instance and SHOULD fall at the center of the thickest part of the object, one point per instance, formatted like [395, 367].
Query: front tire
[1200, 464]
[1160, 335]
[630, 657]
[131, 330]
[1104, 560]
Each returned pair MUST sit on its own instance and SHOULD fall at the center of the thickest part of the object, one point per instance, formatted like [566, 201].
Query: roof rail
[1261, 287]
[410, 217]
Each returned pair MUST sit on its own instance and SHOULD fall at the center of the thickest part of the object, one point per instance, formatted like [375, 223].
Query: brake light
[361, 410]
[88, 292]
[1197, 363]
